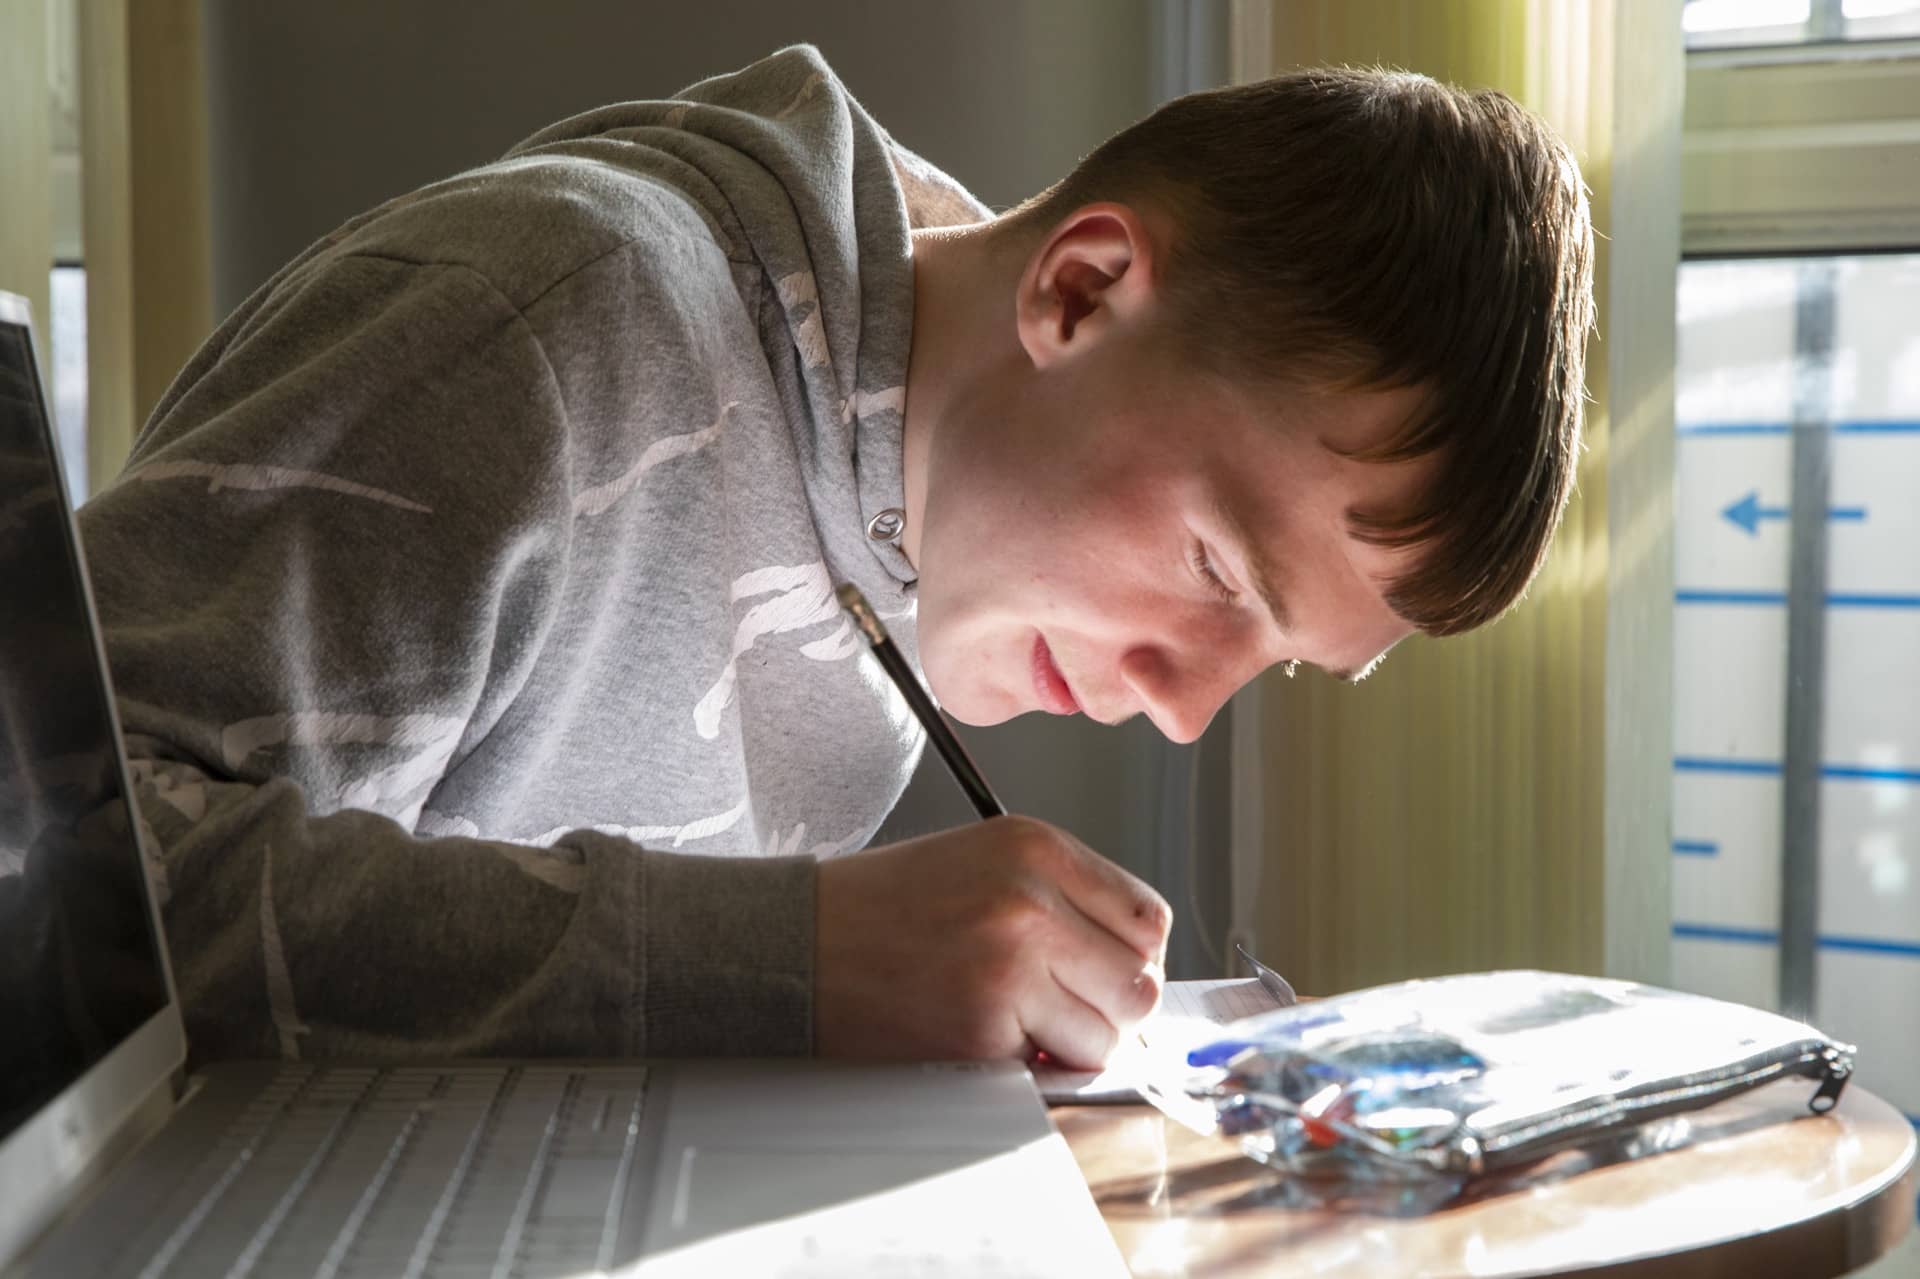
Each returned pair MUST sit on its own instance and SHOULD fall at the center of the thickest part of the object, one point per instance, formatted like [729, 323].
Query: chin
[980, 711]
[971, 704]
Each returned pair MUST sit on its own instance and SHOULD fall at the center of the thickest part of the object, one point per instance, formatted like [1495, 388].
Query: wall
[320, 111]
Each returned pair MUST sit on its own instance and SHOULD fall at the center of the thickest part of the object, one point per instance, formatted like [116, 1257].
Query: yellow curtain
[1500, 800]
[143, 176]
[26, 157]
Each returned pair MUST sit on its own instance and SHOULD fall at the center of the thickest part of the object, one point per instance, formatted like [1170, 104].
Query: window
[1797, 513]
[1720, 24]
[1800, 372]
[64, 327]
[66, 330]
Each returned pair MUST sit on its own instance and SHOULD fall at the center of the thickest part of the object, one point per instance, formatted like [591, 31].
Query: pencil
[952, 753]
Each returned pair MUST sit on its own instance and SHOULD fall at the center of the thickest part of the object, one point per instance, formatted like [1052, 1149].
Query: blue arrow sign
[1747, 513]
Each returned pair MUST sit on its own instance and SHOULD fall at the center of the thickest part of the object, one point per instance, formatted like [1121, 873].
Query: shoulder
[530, 223]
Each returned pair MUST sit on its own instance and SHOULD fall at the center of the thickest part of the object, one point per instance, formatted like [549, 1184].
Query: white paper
[1190, 1014]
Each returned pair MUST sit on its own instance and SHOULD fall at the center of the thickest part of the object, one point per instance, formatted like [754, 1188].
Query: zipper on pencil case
[1831, 1066]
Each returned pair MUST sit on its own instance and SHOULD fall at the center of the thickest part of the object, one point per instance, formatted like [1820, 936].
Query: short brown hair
[1346, 229]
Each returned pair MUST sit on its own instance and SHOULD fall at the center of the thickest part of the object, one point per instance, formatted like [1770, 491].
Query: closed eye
[1203, 569]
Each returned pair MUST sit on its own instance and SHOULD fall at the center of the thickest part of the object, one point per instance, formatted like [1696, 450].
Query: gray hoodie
[479, 571]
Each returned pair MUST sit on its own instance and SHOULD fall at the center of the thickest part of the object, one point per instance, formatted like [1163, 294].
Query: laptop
[116, 1163]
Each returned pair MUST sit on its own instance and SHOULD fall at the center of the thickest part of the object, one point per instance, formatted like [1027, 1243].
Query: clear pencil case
[1448, 1078]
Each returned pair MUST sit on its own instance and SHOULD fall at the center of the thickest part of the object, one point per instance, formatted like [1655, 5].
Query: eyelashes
[1203, 569]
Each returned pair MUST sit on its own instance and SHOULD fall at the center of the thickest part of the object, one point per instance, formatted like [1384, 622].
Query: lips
[1049, 685]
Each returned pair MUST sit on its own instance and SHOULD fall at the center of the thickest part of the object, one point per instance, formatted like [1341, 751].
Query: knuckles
[1152, 911]
[1141, 995]
[1027, 843]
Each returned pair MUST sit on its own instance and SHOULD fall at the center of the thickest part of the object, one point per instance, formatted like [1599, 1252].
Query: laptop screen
[80, 969]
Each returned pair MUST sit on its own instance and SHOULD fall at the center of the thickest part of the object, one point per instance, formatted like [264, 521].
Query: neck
[963, 283]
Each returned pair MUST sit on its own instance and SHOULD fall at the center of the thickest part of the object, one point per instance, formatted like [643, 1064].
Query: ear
[1092, 274]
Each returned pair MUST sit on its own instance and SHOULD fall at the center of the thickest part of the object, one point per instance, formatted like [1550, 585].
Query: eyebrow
[1260, 569]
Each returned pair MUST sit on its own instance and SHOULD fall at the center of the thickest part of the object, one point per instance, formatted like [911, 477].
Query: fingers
[1104, 972]
[975, 942]
[1119, 902]
[1068, 1029]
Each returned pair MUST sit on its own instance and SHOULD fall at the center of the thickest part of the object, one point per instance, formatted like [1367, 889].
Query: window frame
[1801, 149]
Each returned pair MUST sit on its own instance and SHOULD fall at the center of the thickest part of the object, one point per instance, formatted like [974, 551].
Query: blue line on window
[1779, 598]
[1771, 937]
[1719, 932]
[1862, 773]
[1784, 428]
[1730, 597]
[1767, 936]
[1871, 946]
[1771, 768]
[1696, 847]
[1873, 601]
[1702, 764]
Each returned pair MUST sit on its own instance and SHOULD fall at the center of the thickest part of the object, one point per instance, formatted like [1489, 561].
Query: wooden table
[1743, 1194]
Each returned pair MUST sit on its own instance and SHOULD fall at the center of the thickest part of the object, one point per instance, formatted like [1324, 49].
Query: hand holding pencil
[997, 939]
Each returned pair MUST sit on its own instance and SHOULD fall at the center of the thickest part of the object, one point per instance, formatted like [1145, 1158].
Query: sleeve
[323, 580]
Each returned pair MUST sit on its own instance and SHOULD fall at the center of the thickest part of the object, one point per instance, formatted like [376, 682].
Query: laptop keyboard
[476, 1172]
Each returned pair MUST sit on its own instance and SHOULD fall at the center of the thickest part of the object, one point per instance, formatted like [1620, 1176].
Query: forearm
[344, 935]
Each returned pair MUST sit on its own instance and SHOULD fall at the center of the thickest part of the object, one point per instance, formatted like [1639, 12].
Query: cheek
[969, 648]
[1039, 534]
[972, 591]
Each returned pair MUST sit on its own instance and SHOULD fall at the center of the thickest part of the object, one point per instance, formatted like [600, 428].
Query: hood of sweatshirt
[788, 167]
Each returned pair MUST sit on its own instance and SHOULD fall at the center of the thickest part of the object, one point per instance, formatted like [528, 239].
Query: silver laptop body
[114, 1163]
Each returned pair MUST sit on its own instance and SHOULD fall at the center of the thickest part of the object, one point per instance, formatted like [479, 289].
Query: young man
[480, 568]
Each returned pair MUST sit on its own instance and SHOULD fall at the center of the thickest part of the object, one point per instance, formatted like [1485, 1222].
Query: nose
[1180, 697]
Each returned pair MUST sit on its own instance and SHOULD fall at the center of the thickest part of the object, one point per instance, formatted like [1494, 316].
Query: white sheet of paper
[1190, 1014]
